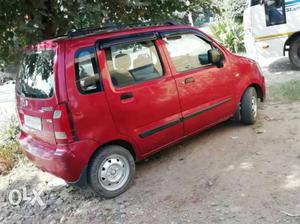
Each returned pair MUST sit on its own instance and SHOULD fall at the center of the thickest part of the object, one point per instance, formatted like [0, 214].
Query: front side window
[275, 12]
[188, 52]
[36, 77]
[86, 71]
[133, 63]
[255, 2]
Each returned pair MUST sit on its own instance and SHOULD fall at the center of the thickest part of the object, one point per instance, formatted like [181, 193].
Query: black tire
[109, 159]
[248, 113]
[294, 53]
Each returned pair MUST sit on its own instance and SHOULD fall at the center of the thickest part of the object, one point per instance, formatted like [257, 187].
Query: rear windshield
[35, 79]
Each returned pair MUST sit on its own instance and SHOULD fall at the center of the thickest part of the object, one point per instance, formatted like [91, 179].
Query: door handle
[189, 80]
[126, 96]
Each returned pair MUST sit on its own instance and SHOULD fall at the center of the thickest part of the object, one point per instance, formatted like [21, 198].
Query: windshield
[35, 79]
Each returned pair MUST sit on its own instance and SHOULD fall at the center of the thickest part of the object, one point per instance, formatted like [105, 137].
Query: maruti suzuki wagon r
[94, 102]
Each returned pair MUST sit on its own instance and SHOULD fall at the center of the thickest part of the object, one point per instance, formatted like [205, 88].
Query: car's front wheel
[111, 171]
[249, 106]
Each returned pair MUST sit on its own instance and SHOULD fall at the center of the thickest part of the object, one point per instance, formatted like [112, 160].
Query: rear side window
[35, 79]
[86, 71]
[133, 63]
[188, 52]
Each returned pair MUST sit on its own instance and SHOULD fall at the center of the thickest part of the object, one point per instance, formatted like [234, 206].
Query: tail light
[62, 124]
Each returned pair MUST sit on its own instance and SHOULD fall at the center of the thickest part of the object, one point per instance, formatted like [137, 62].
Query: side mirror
[215, 57]
[89, 83]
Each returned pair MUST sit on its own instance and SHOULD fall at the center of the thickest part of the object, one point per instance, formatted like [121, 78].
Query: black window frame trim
[126, 39]
[179, 32]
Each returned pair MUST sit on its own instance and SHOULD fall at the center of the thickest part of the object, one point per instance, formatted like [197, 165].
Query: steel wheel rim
[254, 106]
[113, 172]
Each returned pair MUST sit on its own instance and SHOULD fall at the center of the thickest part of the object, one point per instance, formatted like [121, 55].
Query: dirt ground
[228, 174]
[278, 70]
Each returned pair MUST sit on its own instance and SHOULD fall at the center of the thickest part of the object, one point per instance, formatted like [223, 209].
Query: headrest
[122, 62]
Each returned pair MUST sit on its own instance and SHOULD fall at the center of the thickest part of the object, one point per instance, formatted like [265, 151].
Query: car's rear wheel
[111, 171]
[249, 106]
[294, 53]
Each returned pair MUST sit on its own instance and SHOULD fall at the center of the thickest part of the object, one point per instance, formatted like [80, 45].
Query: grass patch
[9, 146]
[289, 91]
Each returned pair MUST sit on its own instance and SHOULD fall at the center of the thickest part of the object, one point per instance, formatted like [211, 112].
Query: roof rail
[113, 27]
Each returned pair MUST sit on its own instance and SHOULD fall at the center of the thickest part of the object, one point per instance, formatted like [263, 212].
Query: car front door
[205, 90]
[141, 91]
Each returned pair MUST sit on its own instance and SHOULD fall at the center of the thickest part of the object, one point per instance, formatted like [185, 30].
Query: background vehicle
[272, 28]
[94, 102]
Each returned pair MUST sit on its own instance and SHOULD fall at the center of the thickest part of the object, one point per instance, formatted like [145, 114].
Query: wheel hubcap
[113, 172]
[254, 106]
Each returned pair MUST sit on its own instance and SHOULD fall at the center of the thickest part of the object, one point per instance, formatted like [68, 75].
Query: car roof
[98, 34]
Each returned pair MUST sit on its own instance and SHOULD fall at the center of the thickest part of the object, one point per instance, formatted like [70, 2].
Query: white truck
[272, 29]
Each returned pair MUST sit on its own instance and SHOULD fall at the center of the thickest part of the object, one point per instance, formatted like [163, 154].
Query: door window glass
[86, 69]
[36, 76]
[255, 2]
[275, 12]
[132, 63]
[188, 52]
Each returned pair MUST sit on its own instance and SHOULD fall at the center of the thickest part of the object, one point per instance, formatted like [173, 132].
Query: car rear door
[141, 91]
[205, 91]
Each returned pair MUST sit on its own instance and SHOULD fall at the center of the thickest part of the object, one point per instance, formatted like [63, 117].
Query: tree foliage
[228, 28]
[24, 22]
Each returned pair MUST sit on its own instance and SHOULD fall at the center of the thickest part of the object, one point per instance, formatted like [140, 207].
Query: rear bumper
[68, 162]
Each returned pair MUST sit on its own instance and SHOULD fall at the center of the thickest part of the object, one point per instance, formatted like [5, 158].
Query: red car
[94, 102]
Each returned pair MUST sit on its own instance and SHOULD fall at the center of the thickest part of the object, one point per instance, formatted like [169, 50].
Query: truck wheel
[111, 171]
[249, 106]
[294, 53]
